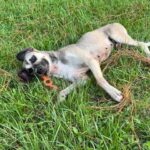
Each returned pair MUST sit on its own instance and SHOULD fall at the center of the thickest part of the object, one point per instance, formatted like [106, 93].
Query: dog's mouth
[26, 75]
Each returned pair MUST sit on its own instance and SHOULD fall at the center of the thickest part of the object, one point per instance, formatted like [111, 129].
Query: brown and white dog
[73, 61]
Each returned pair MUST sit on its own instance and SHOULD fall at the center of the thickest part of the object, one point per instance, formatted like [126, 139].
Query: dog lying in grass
[73, 61]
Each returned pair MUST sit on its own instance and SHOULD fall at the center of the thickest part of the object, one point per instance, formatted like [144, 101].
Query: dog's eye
[33, 59]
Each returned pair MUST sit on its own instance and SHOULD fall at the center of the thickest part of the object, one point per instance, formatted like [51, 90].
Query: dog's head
[34, 62]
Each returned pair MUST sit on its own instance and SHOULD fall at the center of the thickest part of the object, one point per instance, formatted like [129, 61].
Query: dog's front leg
[78, 82]
[96, 70]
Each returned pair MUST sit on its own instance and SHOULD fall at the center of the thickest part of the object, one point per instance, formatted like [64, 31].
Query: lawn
[29, 118]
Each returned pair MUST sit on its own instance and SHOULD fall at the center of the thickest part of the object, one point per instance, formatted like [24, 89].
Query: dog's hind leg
[119, 34]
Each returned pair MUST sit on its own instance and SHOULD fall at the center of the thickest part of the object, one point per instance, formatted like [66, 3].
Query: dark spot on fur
[83, 65]
[53, 57]
[62, 57]
[33, 59]
[64, 61]
[106, 48]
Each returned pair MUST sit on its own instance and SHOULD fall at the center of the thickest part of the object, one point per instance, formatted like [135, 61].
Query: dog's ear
[21, 55]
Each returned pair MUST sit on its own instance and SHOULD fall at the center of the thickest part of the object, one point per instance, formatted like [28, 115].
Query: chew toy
[48, 82]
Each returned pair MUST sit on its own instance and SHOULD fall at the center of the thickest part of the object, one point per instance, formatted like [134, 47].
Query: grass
[29, 120]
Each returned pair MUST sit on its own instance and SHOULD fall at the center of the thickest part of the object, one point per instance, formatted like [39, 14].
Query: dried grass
[7, 77]
[114, 58]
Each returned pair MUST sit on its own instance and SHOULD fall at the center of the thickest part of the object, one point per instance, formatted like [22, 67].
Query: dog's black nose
[40, 70]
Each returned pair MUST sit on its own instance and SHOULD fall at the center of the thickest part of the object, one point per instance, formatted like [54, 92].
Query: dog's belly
[69, 72]
[97, 44]
[101, 54]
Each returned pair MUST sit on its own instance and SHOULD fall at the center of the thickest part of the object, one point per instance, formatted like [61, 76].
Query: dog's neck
[58, 59]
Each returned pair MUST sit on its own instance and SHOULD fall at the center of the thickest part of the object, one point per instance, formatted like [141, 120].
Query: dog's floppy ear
[20, 56]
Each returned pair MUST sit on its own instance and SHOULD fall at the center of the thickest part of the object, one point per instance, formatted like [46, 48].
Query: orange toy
[48, 82]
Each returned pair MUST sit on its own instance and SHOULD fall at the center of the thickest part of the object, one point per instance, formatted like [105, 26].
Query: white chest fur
[68, 72]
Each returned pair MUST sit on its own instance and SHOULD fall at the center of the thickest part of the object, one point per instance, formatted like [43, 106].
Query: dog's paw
[61, 97]
[145, 47]
[116, 94]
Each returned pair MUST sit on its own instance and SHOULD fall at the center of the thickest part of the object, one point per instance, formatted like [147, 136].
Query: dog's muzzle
[26, 75]
[40, 70]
